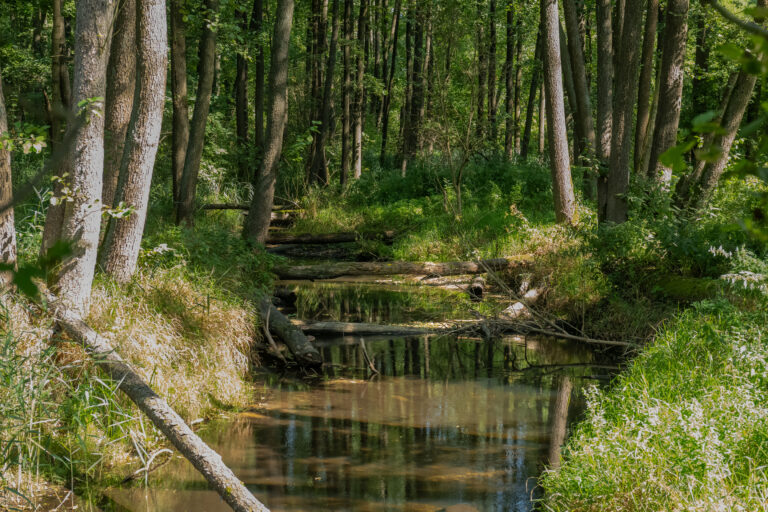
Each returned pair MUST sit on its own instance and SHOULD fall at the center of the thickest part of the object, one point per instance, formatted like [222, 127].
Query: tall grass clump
[684, 428]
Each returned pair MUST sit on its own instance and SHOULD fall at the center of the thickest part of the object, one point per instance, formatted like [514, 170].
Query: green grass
[684, 428]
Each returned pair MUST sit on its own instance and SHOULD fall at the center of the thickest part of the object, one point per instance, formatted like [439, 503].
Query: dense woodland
[612, 149]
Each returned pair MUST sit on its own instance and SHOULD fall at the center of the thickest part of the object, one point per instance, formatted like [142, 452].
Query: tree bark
[518, 79]
[411, 132]
[492, 96]
[625, 94]
[180, 135]
[61, 103]
[333, 270]
[542, 120]
[258, 87]
[359, 107]
[121, 86]
[604, 81]
[185, 206]
[346, 113]
[123, 239]
[482, 70]
[670, 88]
[385, 104]
[701, 64]
[256, 225]
[511, 75]
[559, 420]
[646, 77]
[581, 85]
[562, 186]
[319, 169]
[81, 221]
[173, 427]
[241, 99]
[7, 226]
[531, 108]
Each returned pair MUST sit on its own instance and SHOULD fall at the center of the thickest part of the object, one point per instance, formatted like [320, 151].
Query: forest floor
[683, 427]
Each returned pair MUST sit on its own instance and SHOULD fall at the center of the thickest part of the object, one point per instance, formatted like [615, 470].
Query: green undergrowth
[684, 428]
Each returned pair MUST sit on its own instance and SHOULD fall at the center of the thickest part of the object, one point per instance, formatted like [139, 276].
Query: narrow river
[451, 423]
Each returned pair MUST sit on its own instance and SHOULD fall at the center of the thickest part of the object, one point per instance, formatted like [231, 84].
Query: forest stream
[446, 422]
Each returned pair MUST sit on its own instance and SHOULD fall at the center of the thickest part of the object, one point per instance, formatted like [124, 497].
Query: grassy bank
[685, 428]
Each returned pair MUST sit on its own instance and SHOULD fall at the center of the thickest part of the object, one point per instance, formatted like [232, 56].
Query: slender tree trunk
[670, 87]
[531, 108]
[319, 28]
[583, 116]
[241, 99]
[405, 110]
[559, 420]
[346, 114]
[257, 18]
[625, 94]
[359, 108]
[570, 90]
[319, 162]
[646, 76]
[562, 186]
[259, 216]
[121, 86]
[618, 26]
[61, 102]
[185, 212]
[82, 214]
[180, 135]
[390, 78]
[413, 125]
[518, 79]
[123, 239]
[542, 120]
[604, 99]
[492, 96]
[701, 67]
[511, 74]
[7, 226]
[482, 69]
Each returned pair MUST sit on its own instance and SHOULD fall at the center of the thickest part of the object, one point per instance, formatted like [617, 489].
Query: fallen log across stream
[293, 337]
[202, 457]
[493, 326]
[339, 269]
[328, 238]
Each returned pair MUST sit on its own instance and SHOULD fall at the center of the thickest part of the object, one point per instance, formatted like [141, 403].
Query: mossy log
[294, 338]
[202, 457]
[333, 270]
[328, 238]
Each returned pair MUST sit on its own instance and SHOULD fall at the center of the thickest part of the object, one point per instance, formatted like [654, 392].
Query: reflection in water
[447, 422]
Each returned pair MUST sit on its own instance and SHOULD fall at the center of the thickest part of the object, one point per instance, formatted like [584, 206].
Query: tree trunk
[180, 136]
[61, 102]
[81, 221]
[173, 427]
[492, 96]
[701, 64]
[559, 419]
[482, 69]
[411, 133]
[346, 113]
[604, 100]
[293, 337]
[518, 78]
[121, 86]
[241, 101]
[570, 94]
[7, 226]
[333, 270]
[185, 212]
[646, 77]
[625, 94]
[257, 222]
[511, 74]
[319, 169]
[562, 186]
[385, 104]
[542, 120]
[583, 117]
[359, 107]
[258, 86]
[123, 239]
[670, 88]
[531, 108]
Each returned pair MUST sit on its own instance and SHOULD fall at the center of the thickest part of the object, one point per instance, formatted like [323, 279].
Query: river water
[444, 422]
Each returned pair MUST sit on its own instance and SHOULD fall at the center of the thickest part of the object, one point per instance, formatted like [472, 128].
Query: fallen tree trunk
[293, 337]
[202, 457]
[337, 328]
[328, 238]
[477, 289]
[332, 270]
